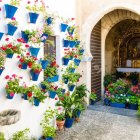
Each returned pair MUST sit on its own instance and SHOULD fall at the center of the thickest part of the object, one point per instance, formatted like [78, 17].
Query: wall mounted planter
[81, 51]
[24, 66]
[66, 80]
[10, 55]
[49, 138]
[77, 61]
[36, 102]
[1, 35]
[69, 122]
[71, 70]
[66, 43]
[9, 96]
[24, 96]
[34, 51]
[118, 105]
[72, 44]
[52, 94]
[66, 61]
[43, 86]
[71, 87]
[70, 31]
[77, 43]
[24, 36]
[34, 75]
[46, 35]
[63, 27]
[133, 106]
[10, 10]
[33, 17]
[49, 20]
[11, 29]
[1, 70]
[53, 79]
[44, 64]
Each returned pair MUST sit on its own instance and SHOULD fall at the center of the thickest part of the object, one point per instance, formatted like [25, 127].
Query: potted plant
[107, 80]
[77, 59]
[25, 34]
[12, 86]
[31, 61]
[2, 60]
[2, 136]
[60, 120]
[93, 97]
[71, 68]
[45, 62]
[23, 62]
[134, 77]
[11, 8]
[1, 35]
[71, 29]
[35, 71]
[21, 135]
[12, 48]
[12, 26]
[66, 60]
[133, 102]
[53, 91]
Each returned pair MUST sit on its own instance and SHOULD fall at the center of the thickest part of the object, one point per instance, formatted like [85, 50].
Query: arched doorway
[101, 57]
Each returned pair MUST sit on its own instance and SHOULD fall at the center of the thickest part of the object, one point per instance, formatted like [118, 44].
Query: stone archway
[107, 22]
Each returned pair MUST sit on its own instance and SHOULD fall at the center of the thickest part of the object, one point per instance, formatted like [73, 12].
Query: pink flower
[12, 94]
[18, 56]
[13, 18]
[7, 39]
[14, 75]
[7, 77]
[59, 108]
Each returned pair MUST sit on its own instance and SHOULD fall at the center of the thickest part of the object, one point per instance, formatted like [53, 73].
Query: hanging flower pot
[71, 87]
[49, 20]
[133, 106]
[10, 10]
[72, 44]
[66, 43]
[34, 75]
[1, 70]
[66, 80]
[36, 101]
[77, 61]
[63, 27]
[49, 138]
[10, 55]
[118, 105]
[44, 64]
[34, 51]
[81, 51]
[1, 35]
[66, 61]
[24, 36]
[53, 79]
[69, 122]
[43, 86]
[25, 97]
[10, 95]
[11, 29]
[71, 70]
[24, 66]
[44, 37]
[70, 30]
[33, 17]
[52, 94]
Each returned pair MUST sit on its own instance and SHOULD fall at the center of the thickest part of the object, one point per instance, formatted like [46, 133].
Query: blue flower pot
[77, 43]
[92, 102]
[71, 70]
[63, 90]
[34, 51]
[46, 35]
[49, 138]
[71, 58]
[63, 27]
[34, 75]
[43, 86]
[1, 35]
[49, 20]
[11, 29]
[81, 51]
[72, 44]
[118, 105]
[10, 10]
[66, 61]
[133, 106]
[66, 43]
[70, 31]
[53, 79]
[52, 94]
[36, 102]
[44, 64]
[69, 122]
[24, 36]
[25, 97]
[106, 101]
[33, 17]
[10, 55]
[66, 80]
[78, 113]
[24, 66]
[1, 70]
[77, 61]
[9, 97]
[71, 87]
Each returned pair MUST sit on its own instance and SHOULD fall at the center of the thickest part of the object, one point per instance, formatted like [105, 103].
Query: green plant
[13, 22]
[60, 116]
[107, 80]
[37, 68]
[48, 30]
[49, 131]
[93, 95]
[50, 71]
[15, 2]
[133, 99]
[118, 99]
[2, 59]
[21, 135]
[138, 112]
[2, 136]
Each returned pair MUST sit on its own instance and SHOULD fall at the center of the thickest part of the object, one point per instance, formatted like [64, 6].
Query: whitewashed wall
[30, 115]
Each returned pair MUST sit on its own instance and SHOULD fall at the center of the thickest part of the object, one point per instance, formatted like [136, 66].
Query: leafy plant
[21, 135]
[133, 99]
[138, 112]
[13, 22]
[15, 2]
[107, 80]
[2, 136]
[2, 58]
[60, 116]
[118, 99]
[93, 95]
[37, 68]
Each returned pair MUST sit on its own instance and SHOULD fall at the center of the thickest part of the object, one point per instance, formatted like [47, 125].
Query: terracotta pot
[77, 120]
[60, 124]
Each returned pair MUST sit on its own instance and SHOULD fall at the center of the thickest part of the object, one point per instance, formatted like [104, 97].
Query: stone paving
[103, 125]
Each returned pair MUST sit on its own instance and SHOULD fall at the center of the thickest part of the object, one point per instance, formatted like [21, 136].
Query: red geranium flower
[56, 98]
[27, 46]
[27, 53]
[7, 39]
[7, 77]
[21, 60]
[13, 18]
[18, 56]
[29, 94]
[30, 64]
[20, 66]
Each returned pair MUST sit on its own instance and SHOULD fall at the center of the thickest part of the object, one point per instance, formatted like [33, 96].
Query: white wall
[30, 115]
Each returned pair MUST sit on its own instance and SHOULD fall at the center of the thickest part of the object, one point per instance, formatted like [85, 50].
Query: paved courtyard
[104, 123]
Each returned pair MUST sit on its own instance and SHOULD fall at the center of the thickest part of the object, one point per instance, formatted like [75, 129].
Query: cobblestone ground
[103, 125]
